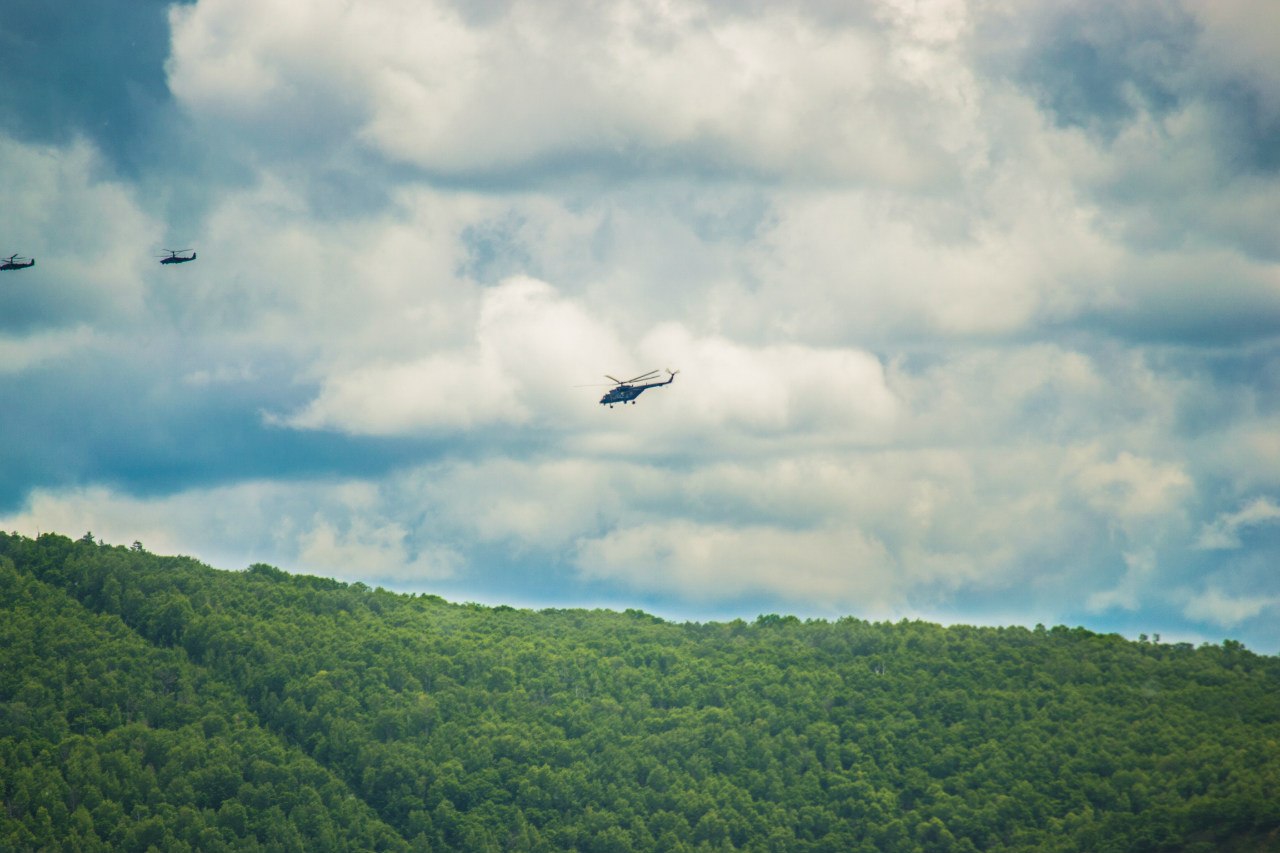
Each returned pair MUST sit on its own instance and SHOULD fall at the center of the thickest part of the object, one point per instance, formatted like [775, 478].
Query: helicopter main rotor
[642, 377]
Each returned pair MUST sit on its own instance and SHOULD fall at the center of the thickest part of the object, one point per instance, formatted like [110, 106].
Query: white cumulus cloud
[843, 568]
[779, 92]
[1214, 605]
[1223, 533]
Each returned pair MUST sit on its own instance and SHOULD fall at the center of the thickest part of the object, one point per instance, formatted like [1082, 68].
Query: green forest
[154, 703]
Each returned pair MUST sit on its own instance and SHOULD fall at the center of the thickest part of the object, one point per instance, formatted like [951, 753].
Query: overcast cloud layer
[976, 304]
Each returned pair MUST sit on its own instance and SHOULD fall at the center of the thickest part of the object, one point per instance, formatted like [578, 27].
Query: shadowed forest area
[151, 702]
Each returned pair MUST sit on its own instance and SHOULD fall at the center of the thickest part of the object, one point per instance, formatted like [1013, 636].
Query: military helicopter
[174, 256]
[12, 263]
[625, 391]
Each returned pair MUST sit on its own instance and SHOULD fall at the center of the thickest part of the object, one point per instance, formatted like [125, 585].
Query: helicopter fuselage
[14, 265]
[178, 259]
[627, 393]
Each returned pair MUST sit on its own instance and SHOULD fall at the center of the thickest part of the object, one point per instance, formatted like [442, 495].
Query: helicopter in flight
[626, 391]
[13, 262]
[175, 256]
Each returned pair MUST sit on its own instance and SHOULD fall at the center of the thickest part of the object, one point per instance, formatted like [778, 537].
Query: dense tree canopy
[153, 701]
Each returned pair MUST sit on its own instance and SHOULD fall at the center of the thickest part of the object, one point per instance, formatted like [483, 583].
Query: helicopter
[175, 258]
[13, 263]
[626, 392]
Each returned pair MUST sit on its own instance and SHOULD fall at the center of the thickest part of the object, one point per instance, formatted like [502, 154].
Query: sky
[975, 303]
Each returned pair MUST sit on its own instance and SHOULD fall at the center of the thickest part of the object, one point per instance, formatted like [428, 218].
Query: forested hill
[151, 702]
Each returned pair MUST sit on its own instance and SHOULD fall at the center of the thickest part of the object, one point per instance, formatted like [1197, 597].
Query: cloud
[529, 506]
[972, 303]
[18, 354]
[366, 550]
[1131, 487]
[530, 341]
[164, 526]
[1223, 533]
[665, 527]
[1213, 605]
[1016, 224]
[1235, 43]
[625, 87]
[87, 232]
[336, 529]
[390, 400]
[1130, 592]
[527, 343]
[95, 72]
[1100, 64]
[799, 390]
[843, 568]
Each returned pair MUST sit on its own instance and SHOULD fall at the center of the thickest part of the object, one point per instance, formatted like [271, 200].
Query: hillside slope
[109, 743]
[472, 728]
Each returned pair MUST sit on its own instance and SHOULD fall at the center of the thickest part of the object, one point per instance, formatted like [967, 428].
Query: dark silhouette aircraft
[175, 257]
[626, 391]
[13, 262]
